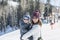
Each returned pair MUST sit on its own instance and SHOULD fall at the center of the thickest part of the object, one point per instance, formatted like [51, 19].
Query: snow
[1, 33]
[46, 33]
[8, 29]
[55, 2]
[12, 3]
[11, 36]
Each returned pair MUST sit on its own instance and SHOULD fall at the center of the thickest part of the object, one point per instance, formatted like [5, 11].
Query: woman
[36, 27]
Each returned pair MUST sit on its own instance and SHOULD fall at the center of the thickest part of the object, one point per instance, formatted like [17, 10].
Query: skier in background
[52, 21]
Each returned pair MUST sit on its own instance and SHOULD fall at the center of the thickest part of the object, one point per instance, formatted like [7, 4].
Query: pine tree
[37, 6]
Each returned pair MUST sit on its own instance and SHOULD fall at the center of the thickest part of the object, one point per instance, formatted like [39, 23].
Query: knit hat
[27, 13]
[36, 14]
[26, 16]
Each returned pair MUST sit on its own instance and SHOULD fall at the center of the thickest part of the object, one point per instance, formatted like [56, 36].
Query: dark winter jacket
[24, 27]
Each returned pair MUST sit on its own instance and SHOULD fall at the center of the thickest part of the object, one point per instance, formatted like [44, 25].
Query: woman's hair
[37, 15]
[39, 22]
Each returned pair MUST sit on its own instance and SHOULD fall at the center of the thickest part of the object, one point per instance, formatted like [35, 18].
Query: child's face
[26, 20]
[35, 20]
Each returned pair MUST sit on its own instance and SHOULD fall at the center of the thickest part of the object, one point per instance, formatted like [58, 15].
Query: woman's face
[35, 20]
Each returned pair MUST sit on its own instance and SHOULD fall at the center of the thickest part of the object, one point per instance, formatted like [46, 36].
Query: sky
[52, 2]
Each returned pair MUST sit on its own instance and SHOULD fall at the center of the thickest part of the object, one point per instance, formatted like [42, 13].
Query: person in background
[25, 26]
[52, 21]
[36, 28]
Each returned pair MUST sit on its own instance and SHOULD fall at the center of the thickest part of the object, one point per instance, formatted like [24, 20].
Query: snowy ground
[46, 33]
[11, 36]
[8, 30]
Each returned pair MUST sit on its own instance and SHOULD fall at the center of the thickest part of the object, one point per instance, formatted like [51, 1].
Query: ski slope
[46, 33]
